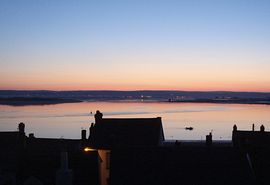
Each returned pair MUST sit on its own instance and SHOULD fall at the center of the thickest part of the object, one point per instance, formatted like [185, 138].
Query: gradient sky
[135, 45]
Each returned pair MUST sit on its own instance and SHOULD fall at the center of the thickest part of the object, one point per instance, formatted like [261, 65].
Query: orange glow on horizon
[147, 74]
[131, 87]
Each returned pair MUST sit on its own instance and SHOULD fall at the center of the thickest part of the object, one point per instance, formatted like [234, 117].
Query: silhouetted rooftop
[39, 158]
[179, 165]
[109, 132]
[251, 138]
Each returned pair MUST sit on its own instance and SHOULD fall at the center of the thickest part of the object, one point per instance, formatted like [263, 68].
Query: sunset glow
[135, 45]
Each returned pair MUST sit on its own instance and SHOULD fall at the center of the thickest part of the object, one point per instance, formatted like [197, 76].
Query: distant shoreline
[23, 98]
[27, 101]
[255, 102]
[24, 101]
[226, 101]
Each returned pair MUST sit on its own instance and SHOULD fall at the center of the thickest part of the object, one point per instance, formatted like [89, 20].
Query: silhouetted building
[256, 146]
[29, 160]
[133, 151]
[179, 166]
[11, 155]
[108, 133]
[244, 139]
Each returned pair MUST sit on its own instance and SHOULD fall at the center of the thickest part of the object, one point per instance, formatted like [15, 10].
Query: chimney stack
[209, 139]
[234, 128]
[31, 135]
[91, 130]
[21, 128]
[234, 135]
[83, 134]
[262, 128]
[98, 116]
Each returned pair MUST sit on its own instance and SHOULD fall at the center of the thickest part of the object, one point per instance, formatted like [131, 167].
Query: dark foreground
[132, 151]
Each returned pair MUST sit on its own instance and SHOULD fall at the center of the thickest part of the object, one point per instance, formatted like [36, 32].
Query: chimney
[98, 116]
[234, 136]
[21, 135]
[83, 134]
[234, 128]
[209, 139]
[262, 128]
[91, 130]
[21, 128]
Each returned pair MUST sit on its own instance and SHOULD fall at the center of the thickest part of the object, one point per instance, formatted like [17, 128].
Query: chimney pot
[83, 134]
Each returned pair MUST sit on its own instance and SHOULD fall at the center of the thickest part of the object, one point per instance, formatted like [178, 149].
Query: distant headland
[45, 97]
[23, 101]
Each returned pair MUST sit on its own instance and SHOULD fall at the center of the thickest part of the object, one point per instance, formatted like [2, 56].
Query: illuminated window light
[88, 149]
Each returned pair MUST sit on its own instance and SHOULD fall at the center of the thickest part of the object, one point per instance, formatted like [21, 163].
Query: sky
[205, 45]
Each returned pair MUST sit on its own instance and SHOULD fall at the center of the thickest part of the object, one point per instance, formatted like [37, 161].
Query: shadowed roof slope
[179, 166]
[109, 132]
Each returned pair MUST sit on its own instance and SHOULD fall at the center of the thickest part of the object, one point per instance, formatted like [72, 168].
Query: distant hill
[133, 95]
[21, 101]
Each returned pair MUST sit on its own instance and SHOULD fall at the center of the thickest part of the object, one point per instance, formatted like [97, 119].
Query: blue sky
[133, 44]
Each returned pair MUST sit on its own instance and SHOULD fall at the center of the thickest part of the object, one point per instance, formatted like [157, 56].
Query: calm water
[67, 120]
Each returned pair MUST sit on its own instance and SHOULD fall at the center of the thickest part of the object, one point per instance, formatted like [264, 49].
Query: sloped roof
[179, 165]
[109, 132]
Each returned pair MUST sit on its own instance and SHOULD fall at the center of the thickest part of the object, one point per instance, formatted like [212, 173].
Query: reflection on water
[66, 120]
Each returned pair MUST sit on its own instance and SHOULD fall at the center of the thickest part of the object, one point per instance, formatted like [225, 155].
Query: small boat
[189, 128]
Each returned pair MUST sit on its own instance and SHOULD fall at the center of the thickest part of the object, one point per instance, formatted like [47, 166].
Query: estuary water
[67, 120]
